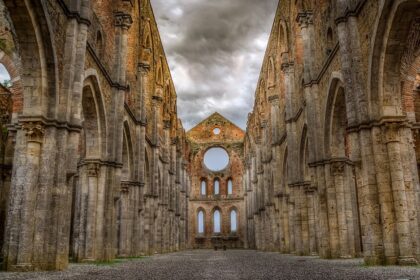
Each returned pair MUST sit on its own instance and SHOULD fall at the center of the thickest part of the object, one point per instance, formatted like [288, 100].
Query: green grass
[112, 262]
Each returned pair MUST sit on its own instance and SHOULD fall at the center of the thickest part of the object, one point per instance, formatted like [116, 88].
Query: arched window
[99, 44]
[230, 187]
[5, 79]
[200, 222]
[329, 41]
[216, 221]
[271, 73]
[216, 187]
[203, 187]
[233, 221]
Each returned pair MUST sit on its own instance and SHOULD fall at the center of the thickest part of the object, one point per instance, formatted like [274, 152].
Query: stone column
[392, 137]
[146, 190]
[332, 212]
[337, 171]
[322, 204]
[310, 196]
[20, 220]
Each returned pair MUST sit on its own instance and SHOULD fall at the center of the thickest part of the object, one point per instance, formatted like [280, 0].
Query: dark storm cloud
[215, 50]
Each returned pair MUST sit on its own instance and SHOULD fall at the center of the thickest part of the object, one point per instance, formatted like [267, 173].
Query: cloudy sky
[215, 50]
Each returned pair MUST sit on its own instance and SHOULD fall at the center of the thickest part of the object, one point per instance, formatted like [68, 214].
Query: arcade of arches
[95, 163]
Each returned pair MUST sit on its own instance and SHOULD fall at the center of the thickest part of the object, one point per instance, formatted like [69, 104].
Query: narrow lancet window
[233, 222]
[230, 187]
[216, 187]
[200, 222]
[216, 221]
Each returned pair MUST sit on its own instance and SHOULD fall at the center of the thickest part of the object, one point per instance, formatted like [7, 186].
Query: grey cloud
[215, 50]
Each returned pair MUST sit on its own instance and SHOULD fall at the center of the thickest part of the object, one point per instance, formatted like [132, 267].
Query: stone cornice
[296, 117]
[133, 117]
[46, 122]
[351, 13]
[107, 76]
[100, 162]
[331, 161]
[122, 20]
[133, 183]
[72, 14]
[324, 68]
[401, 120]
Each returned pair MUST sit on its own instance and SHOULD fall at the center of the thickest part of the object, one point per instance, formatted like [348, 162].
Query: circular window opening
[216, 131]
[216, 159]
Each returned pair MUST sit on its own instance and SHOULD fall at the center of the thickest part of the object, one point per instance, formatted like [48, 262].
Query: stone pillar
[332, 212]
[322, 204]
[337, 171]
[20, 223]
[392, 138]
[312, 212]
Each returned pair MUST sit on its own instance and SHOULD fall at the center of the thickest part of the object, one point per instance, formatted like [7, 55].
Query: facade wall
[95, 152]
[330, 162]
[201, 139]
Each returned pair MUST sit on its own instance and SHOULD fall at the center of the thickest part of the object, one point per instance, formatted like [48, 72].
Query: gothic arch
[147, 36]
[197, 219]
[303, 156]
[38, 56]
[94, 119]
[127, 156]
[233, 223]
[271, 74]
[389, 44]
[159, 72]
[335, 120]
[12, 66]
[147, 174]
[283, 37]
[216, 212]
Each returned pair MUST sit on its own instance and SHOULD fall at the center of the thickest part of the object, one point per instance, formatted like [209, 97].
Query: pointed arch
[216, 186]
[303, 157]
[283, 40]
[38, 56]
[233, 220]
[201, 221]
[336, 121]
[271, 74]
[217, 220]
[230, 186]
[147, 36]
[159, 72]
[93, 119]
[203, 186]
[390, 41]
[127, 157]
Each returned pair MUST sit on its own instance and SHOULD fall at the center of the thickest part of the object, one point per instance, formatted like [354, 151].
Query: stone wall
[330, 162]
[202, 138]
[96, 151]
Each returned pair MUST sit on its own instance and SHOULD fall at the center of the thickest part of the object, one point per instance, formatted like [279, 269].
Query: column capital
[34, 131]
[92, 169]
[337, 168]
[273, 99]
[123, 20]
[305, 18]
[166, 124]
[391, 132]
[287, 67]
[143, 67]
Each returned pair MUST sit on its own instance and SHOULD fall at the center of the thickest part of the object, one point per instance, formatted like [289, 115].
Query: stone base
[407, 261]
